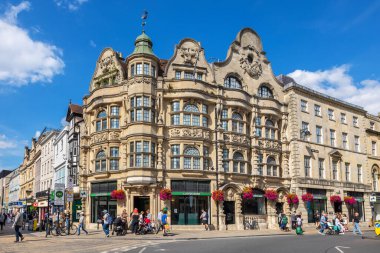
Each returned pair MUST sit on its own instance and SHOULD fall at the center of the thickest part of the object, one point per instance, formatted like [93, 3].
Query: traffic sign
[83, 194]
[372, 198]
[70, 183]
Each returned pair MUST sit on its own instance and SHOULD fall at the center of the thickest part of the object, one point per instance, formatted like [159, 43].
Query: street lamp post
[48, 215]
[217, 112]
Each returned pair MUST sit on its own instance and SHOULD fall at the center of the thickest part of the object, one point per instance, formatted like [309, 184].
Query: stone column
[239, 217]
[272, 218]
[222, 217]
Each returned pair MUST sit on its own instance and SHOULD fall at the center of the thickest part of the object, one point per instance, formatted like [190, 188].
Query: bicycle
[251, 224]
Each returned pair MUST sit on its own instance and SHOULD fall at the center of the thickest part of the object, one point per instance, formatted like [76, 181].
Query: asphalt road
[267, 244]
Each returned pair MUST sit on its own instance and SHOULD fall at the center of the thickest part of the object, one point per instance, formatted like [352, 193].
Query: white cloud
[24, 60]
[92, 43]
[5, 143]
[337, 82]
[64, 122]
[37, 134]
[72, 5]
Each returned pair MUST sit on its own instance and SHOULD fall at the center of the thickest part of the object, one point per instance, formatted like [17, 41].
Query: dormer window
[232, 82]
[265, 92]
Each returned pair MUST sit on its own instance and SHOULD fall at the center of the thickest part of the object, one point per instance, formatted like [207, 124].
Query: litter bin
[377, 227]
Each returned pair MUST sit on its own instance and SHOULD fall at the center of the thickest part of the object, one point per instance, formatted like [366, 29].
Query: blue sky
[48, 49]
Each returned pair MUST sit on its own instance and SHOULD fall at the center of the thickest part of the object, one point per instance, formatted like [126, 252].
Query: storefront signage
[59, 194]
[191, 193]
[43, 204]
[372, 198]
[100, 194]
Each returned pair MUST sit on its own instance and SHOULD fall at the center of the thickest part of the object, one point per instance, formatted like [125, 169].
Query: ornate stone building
[194, 127]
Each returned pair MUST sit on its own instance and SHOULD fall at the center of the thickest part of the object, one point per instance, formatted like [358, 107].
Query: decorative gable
[108, 71]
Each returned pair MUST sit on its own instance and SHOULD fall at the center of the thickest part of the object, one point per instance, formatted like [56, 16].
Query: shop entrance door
[229, 210]
[142, 203]
[186, 210]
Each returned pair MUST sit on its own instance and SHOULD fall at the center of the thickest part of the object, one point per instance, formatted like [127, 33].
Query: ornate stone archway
[232, 192]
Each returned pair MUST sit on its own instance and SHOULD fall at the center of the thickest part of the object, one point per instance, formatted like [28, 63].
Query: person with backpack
[107, 219]
[204, 219]
[164, 220]
[299, 230]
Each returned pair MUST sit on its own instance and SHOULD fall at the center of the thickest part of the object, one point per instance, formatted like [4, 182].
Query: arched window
[191, 159]
[269, 130]
[375, 179]
[265, 92]
[101, 121]
[237, 123]
[191, 115]
[238, 162]
[232, 82]
[100, 163]
[271, 167]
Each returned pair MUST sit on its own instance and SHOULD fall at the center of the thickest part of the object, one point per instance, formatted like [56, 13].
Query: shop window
[256, 205]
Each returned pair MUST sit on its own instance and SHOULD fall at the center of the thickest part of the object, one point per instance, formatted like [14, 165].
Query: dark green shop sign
[100, 194]
[191, 193]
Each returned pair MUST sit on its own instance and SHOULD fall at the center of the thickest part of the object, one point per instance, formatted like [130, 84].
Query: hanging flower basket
[118, 194]
[307, 197]
[217, 195]
[271, 195]
[247, 193]
[349, 200]
[166, 194]
[292, 199]
[335, 199]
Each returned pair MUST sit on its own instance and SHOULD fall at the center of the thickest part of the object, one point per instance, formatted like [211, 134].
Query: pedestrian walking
[299, 230]
[17, 225]
[81, 224]
[293, 219]
[106, 223]
[135, 220]
[317, 219]
[2, 220]
[204, 219]
[164, 221]
[355, 222]
[323, 223]
[159, 221]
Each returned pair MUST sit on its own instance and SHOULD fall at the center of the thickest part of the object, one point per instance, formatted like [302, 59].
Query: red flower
[335, 199]
[292, 198]
[218, 195]
[307, 197]
[118, 194]
[271, 194]
[247, 193]
[166, 194]
[349, 200]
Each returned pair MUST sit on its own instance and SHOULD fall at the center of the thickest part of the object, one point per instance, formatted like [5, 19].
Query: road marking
[341, 251]
[142, 250]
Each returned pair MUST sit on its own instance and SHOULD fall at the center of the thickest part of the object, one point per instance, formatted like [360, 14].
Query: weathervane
[144, 17]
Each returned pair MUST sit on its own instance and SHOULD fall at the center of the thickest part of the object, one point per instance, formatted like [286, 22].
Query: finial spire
[144, 17]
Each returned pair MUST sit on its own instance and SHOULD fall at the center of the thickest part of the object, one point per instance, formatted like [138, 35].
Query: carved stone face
[107, 64]
[189, 54]
[250, 61]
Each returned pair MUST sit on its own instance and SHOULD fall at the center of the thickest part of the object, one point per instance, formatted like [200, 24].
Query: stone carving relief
[142, 80]
[270, 144]
[114, 136]
[236, 138]
[195, 133]
[107, 64]
[250, 61]
[99, 138]
[189, 54]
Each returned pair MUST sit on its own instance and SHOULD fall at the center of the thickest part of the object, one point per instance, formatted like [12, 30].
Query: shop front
[317, 206]
[256, 205]
[189, 198]
[358, 206]
[376, 206]
[101, 199]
